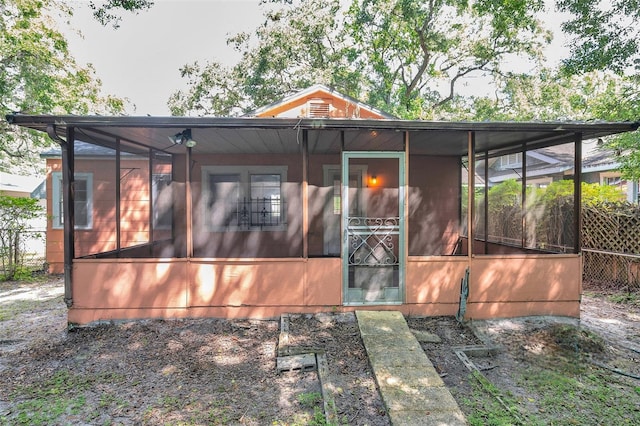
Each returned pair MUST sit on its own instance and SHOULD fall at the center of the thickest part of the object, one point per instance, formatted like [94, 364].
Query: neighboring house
[543, 165]
[18, 185]
[28, 186]
[257, 216]
[557, 163]
[601, 167]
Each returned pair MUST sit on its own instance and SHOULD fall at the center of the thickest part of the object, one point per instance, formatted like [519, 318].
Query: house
[255, 216]
[554, 163]
[32, 244]
[602, 167]
[18, 185]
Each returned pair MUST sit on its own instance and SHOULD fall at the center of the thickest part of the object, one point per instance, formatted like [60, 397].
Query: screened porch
[184, 217]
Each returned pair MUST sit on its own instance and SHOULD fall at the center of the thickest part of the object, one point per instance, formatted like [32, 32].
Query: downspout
[67, 209]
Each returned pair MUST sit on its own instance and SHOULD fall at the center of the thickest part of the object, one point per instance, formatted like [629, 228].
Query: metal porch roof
[282, 135]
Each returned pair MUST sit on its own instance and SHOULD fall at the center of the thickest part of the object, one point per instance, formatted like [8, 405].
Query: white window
[162, 201]
[83, 200]
[244, 197]
[511, 161]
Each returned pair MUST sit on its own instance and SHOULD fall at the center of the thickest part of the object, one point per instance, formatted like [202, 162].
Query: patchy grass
[45, 401]
[582, 394]
[558, 386]
[630, 298]
[491, 406]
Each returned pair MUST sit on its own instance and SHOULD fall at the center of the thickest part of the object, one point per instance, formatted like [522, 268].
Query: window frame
[506, 163]
[164, 177]
[56, 198]
[244, 191]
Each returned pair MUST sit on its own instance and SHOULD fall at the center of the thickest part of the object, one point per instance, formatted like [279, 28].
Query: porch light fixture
[183, 138]
[374, 180]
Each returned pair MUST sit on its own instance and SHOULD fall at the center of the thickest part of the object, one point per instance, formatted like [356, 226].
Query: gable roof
[319, 101]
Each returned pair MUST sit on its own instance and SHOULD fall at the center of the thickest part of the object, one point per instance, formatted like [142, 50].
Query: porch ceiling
[281, 135]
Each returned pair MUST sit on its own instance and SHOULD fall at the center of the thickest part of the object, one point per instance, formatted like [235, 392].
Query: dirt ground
[223, 372]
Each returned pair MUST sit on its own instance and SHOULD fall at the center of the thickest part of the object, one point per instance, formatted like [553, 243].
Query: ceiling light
[183, 138]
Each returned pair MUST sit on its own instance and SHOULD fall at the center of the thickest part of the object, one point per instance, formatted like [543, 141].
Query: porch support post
[577, 192]
[118, 197]
[523, 203]
[68, 211]
[151, 200]
[405, 202]
[471, 155]
[305, 193]
[486, 202]
[188, 204]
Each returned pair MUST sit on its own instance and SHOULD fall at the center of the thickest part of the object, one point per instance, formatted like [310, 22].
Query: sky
[141, 60]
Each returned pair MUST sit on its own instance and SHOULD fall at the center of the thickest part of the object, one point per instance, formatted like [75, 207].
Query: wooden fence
[611, 245]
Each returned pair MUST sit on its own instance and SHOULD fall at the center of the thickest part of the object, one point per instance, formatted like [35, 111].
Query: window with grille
[244, 198]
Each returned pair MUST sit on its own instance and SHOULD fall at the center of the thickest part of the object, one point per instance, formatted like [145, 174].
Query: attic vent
[318, 109]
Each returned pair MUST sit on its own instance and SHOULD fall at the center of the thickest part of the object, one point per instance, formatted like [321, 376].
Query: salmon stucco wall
[433, 284]
[176, 288]
[500, 287]
[522, 285]
[134, 209]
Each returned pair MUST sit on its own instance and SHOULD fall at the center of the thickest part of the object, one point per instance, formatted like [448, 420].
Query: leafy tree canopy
[403, 56]
[106, 12]
[606, 35]
[38, 75]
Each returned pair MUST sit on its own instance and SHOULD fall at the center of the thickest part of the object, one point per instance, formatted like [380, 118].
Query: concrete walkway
[412, 390]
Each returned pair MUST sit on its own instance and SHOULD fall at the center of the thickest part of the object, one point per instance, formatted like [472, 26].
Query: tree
[107, 12]
[606, 37]
[38, 76]
[299, 44]
[403, 56]
[552, 95]
[605, 34]
[15, 214]
[415, 52]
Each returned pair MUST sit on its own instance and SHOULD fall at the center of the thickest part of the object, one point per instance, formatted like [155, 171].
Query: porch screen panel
[480, 221]
[504, 199]
[95, 198]
[479, 218]
[162, 196]
[250, 209]
[135, 197]
[464, 196]
[434, 193]
[550, 207]
[325, 192]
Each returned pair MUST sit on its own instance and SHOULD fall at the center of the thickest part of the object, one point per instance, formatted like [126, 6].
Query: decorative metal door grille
[372, 241]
